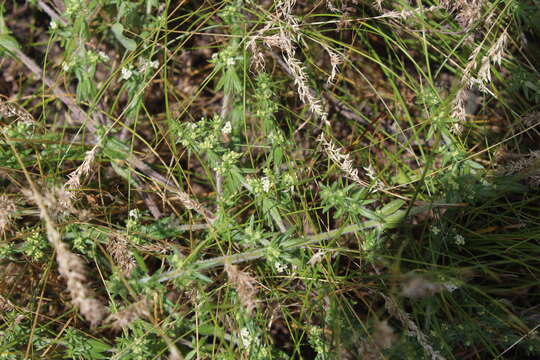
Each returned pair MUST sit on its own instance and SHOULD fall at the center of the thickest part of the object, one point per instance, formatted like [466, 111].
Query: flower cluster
[137, 73]
[34, 246]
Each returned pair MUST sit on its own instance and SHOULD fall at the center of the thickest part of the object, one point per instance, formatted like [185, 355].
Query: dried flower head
[9, 110]
[5, 305]
[531, 119]
[405, 319]
[288, 31]
[466, 11]
[244, 285]
[458, 110]
[336, 59]
[135, 311]
[7, 213]
[384, 336]
[70, 266]
[83, 170]
[528, 166]
[419, 286]
[118, 247]
[58, 201]
[342, 160]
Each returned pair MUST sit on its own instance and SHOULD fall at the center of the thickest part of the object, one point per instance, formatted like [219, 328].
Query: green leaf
[395, 219]
[118, 31]
[8, 43]
[391, 207]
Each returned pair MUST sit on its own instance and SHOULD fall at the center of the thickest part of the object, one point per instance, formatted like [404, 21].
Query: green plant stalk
[259, 253]
[289, 245]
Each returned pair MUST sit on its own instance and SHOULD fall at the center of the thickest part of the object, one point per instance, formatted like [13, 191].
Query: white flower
[459, 240]
[134, 213]
[245, 337]
[227, 128]
[126, 74]
[370, 172]
[280, 267]
[435, 230]
[66, 66]
[266, 184]
[230, 61]
[145, 65]
[289, 182]
[450, 286]
[104, 57]
[53, 25]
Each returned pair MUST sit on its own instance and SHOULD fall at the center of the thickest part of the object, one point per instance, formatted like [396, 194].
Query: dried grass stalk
[483, 76]
[57, 200]
[72, 268]
[405, 14]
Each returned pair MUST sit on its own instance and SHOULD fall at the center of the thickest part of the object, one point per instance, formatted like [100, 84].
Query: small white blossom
[459, 240]
[53, 25]
[104, 57]
[280, 267]
[227, 128]
[370, 172]
[266, 184]
[276, 138]
[134, 213]
[450, 286]
[245, 337]
[435, 230]
[230, 61]
[145, 65]
[126, 74]
[289, 182]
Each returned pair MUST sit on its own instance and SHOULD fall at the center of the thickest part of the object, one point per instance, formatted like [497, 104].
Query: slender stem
[259, 253]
